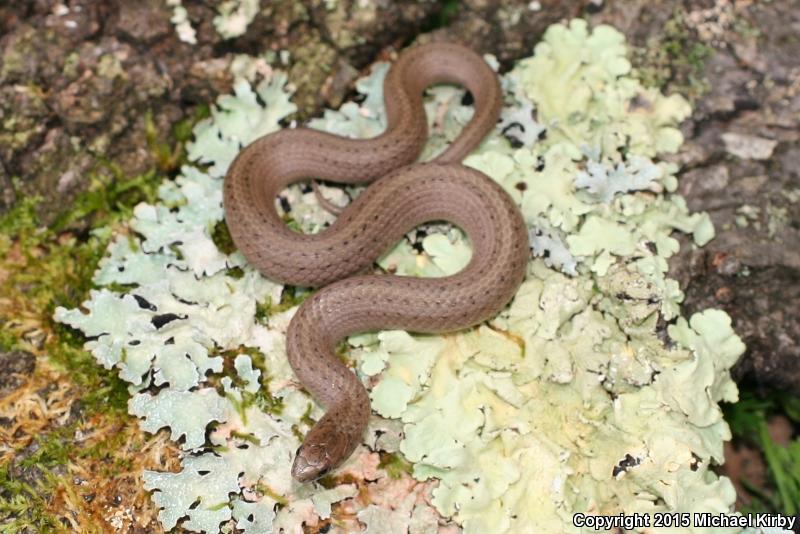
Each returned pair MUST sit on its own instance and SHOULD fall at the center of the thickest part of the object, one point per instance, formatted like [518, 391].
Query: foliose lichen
[233, 17]
[183, 26]
[573, 399]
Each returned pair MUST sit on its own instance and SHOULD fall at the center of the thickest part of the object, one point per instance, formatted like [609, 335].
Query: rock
[704, 181]
[15, 365]
[78, 77]
[509, 29]
[23, 114]
[752, 268]
[144, 21]
[748, 146]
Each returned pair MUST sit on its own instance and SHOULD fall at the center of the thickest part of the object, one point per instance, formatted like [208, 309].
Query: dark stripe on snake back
[404, 196]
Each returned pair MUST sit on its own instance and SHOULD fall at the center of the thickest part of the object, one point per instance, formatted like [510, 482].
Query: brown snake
[406, 195]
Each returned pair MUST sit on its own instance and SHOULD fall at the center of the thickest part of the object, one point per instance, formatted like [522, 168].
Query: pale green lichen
[234, 17]
[594, 102]
[239, 119]
[568, 401]
[777, 218]
[186, 413]
[183, 26]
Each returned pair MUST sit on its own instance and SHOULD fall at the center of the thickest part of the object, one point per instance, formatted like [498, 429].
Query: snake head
[311, 462]
[325, 447]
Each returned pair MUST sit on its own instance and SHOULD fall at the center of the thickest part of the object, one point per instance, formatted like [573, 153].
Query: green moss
[265, 401]
[291, 297]
[23, 508]
[182, 130]
[170, 152]
[238, 406]
[675, 60]
[745, 28]
[58, 269]
[395, 465]
[263, 489]
[58, 273]
[51, 449]
[235, 272]
[448, 10]
[306, 420]
[262, 398]
[110, 197]
[105, 451]
[263, 311]
[8, 340]
[292, 224]
[748, 420]
[222, 239]
[21, 219]
[103, 390]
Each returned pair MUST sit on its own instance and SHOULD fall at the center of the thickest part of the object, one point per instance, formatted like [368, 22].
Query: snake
[350, 295]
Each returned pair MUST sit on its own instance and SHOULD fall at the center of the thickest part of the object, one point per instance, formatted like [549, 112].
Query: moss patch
[749, 422]
[22, 507]
[674, 60]
[83, 431]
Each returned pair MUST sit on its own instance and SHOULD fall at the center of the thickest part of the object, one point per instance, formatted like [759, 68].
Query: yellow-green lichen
[566, 402]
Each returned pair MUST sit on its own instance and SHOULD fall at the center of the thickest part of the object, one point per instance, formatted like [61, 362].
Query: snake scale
[404, 194]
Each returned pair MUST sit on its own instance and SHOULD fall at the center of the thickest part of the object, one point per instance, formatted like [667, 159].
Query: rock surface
[15, 365]
[79, 81]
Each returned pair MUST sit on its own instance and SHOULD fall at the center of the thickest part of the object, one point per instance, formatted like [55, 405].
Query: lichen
[234, 17]
[183, 26]
[567, 401]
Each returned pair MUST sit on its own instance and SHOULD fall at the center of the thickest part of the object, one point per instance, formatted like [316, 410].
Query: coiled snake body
[406, 195]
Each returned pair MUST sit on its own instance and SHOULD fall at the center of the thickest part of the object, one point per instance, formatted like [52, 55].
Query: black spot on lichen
[144, 303]
[625, 464]
[163, 319]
